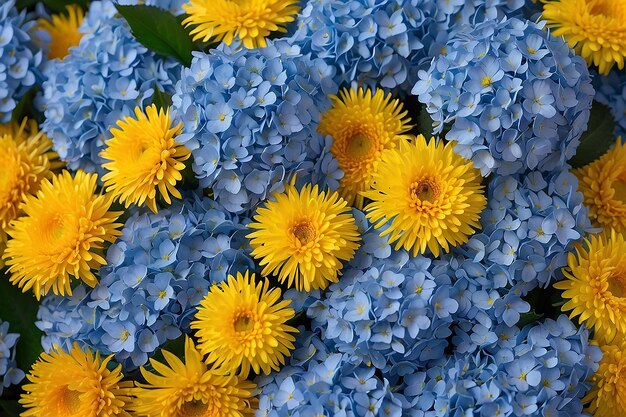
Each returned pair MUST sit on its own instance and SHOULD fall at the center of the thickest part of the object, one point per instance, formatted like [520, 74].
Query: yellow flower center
[360, 145]
[424, 190]
[304, 231]
[71, 401]
[194, 408]
[617, 283]
[243, 322]
[620, 187]
[608, 8]
[486, 81]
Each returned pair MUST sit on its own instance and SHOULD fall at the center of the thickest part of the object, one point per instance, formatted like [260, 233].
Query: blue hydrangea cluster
[393, 314]
[514, 97]
[20, 58]
[9, 372]
[249, 118]
[536, 371]
[101, 81]
[383, 43]
[611, 91]
[156, 274]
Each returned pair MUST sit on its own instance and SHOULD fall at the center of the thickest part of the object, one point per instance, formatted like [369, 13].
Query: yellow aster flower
[303, 237]
[75, 384]
[26, 158]
[143, 157]
[61, 235]
[63, 31]
[596, 29]
[362, 126]
[429, 197]
[603, 184]
[191, 389]
[595, 284]
[241, 325]
[608, 395]
[251, 21]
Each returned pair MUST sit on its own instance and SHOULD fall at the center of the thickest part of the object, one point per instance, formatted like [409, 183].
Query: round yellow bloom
[75, 384]
[603, 184]
[608, 395]
[429, 197]
[241, 325]
[26, 158]
[144, 157]
[303, 237]
[596, 29]
[63, 31]
[191, 389]
[251, 21]
[595, 287]
[362, 126]
[61, 235]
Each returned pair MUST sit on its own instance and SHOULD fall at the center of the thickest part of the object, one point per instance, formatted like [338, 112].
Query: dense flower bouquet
[228, 208]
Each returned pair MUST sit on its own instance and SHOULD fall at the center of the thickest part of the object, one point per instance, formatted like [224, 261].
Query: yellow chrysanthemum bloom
[143, 157]
[362, 126]
[596, 29]
[303, 237]
[251, 21]
[191, 389]
[595, 284]
[608, 395]
[429, 197]
[63, 31]
[74, 384]
[61, 235]
[603, 184]
[26, 158]
[241, 325]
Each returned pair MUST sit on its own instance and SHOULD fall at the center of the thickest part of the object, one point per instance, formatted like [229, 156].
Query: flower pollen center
[71, 401]
[194, 408]
[243, 322]
[424, 189]
[617, 283]
[304, 232]
[620, 187]
[359, 145]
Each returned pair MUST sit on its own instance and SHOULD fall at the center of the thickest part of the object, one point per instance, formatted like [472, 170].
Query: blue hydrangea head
[384, 43]
[157, 273]
[611, 91]
[20, 58]
[514, 97]
[249, 118]
[101, 81]
[10, 374]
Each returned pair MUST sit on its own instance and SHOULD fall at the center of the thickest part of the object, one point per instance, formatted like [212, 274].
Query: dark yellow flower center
[71, 401]
[617, 284]
[609, 8]
[620, 188]
[194, 408]
[243, 322]
[424, 189]
[359, 146]
[304, 232]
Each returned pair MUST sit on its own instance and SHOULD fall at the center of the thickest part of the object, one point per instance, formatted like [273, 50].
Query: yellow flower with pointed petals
[608, 394]
[603, 184]
[595, 284]
[191, 389]
[61, 235]
[251, 21]
[427, 196]
[143, 158]
[304, 236]
[362, 126]
[73, 384]
[241, 325]
[596, 29]
[26, 158]
[63, 31]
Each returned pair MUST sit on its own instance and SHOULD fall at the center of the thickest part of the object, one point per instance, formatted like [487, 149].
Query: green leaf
[25, 4]
[20, 310]
[24, 107]
[58, 6]
[10, 408]
[161, 100]
[598, 138]
[159, 31]
[425, 123]
[528, 318]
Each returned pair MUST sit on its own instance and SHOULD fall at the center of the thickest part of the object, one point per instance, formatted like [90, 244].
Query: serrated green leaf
[159, 31]
[597, 139]
[20, 310]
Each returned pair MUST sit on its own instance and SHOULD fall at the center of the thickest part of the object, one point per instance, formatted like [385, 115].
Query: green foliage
[56, 6]
[160, 31]
[20, 310]
[161, 100]
[597, 139]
